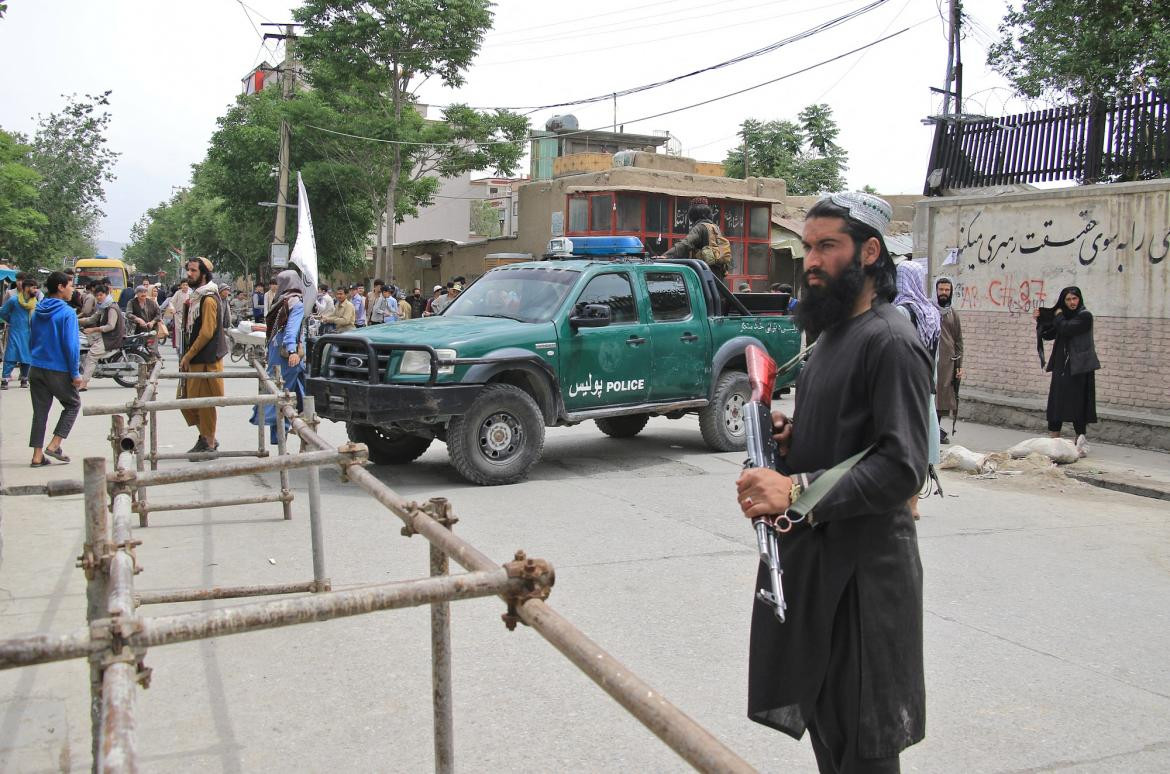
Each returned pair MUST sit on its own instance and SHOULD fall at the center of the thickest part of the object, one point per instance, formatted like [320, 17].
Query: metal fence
[1115, 140]
[117, 635]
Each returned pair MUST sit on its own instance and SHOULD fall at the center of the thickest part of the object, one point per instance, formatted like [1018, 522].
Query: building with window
[503, 195]
[563, 138]
[643, 199]
[651, 204]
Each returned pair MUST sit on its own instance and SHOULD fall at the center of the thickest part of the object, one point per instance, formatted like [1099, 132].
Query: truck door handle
[688, 336]
[634, 341]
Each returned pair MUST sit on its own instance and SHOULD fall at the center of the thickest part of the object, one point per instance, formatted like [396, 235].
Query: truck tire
[623, 427]
[388, 446]
[499, 438]
[721, 421]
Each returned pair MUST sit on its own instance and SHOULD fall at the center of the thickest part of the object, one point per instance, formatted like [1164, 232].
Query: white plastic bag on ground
[962, 458]
[1058, 450]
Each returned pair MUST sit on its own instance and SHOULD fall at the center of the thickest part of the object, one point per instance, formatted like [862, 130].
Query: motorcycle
[122, 366]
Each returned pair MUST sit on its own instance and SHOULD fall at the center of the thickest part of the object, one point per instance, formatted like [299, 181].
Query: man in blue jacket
[54, 353]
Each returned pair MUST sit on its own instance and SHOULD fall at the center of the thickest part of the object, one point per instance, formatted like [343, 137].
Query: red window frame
[758, 282]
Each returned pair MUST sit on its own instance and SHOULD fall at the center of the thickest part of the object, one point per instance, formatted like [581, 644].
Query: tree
[20, 220]
[367, 60]
[1084, 48]
[239, 172]
[71, 154]
[803, 153]
[485, 219]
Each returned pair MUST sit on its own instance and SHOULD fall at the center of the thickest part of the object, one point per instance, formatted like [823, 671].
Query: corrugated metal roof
[900, 244]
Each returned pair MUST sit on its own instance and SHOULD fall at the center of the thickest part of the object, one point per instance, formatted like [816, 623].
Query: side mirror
[590, 316]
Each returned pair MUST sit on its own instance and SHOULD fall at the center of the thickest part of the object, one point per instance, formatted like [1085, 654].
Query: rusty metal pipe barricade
[349, 454]
[180, 403]
[122, 666]
[117, 637]
[681, 733]
[223, 592]
[138, 633]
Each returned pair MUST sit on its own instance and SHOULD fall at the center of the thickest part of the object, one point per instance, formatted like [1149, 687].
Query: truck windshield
[528, 295]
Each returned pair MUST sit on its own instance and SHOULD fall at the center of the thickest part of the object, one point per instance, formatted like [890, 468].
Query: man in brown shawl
[950, 354]
[206, 345]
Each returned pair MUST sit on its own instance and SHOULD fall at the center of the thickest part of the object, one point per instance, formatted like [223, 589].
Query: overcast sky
[175, 65]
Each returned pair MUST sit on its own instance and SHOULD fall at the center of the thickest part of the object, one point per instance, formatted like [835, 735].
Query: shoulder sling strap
[817, 490]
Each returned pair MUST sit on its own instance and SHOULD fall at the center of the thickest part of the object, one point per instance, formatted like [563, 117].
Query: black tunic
[867, 382]
[1072, 393]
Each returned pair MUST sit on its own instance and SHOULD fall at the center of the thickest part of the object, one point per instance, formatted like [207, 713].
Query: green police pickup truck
[547, 343]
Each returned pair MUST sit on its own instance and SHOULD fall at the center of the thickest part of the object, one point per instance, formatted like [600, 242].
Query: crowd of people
[347, 308]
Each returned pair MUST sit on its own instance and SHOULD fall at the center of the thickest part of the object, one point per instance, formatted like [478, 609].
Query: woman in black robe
[1072, 394]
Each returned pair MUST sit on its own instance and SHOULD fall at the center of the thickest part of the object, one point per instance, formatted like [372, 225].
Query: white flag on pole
[304, 252]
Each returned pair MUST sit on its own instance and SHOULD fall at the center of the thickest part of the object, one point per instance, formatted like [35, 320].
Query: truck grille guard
[361, 357]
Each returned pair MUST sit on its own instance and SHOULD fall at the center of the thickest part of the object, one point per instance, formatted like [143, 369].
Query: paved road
[1046, 618]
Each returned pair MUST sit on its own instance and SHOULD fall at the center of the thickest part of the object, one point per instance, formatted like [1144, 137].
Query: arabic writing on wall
[1092, 241]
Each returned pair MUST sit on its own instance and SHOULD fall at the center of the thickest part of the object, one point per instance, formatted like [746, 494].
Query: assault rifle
[762, 453]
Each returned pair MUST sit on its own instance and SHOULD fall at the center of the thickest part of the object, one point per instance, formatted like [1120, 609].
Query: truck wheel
[721, 421]
[623, 427]
[388, 446]
[499, 438]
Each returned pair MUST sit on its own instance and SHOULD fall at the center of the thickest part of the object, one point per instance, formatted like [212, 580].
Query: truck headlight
[417, 362]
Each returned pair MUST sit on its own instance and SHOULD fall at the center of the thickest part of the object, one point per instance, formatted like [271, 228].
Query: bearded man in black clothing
[847, 662]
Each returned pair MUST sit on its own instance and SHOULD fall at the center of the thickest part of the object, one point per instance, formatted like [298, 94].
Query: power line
[708, 31]
[630, 24]
[590, 18]
[263, 40]
[857, 61]
[822, 27]
[643, 118]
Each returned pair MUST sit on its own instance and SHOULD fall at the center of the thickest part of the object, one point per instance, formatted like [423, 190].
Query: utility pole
[746, 167]
[952, 87]
[288, 76]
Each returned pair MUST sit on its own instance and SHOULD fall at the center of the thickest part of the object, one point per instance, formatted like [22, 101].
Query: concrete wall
[447, 261]
[448, 218]
[1013, 253]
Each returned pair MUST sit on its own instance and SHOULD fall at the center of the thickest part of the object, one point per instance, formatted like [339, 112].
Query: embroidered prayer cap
[871, 210]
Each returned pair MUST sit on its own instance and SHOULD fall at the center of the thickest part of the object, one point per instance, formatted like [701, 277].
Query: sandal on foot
[57, 454]
[44, 463]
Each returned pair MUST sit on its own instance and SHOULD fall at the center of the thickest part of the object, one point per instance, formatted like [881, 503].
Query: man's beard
[831, 302]
[944, 301]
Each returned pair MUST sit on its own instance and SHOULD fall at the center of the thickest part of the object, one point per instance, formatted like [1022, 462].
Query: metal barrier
[117, 637]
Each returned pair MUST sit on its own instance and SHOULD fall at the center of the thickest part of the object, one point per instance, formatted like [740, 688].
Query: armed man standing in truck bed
[847, 663]
[704, 240]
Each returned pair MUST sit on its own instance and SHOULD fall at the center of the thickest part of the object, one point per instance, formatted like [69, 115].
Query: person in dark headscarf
[285, 338]
[1072, 393]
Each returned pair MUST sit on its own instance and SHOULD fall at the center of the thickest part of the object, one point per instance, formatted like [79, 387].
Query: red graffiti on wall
[1005, 293]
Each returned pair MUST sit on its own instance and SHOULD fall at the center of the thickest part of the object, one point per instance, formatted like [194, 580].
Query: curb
[1119, 485]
